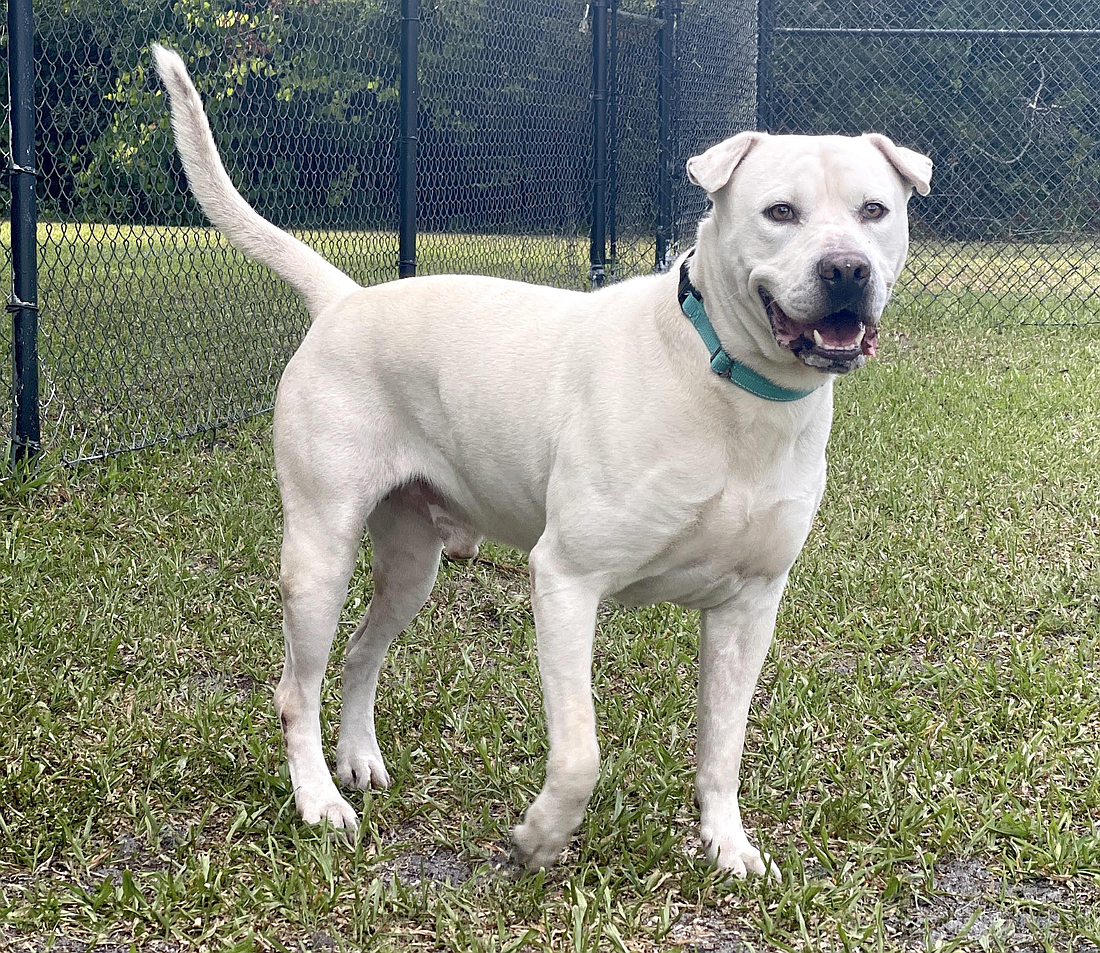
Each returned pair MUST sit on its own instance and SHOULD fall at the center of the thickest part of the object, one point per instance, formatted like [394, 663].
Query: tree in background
[310, 121]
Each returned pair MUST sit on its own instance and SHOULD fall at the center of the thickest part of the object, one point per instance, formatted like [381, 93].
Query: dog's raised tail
[316, 280]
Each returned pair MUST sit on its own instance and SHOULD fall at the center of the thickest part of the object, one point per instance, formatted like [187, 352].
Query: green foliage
[307, 120]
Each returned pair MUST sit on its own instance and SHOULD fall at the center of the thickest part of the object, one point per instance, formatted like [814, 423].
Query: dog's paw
[549, 823]
[361, 767]
[361, 770]
[328, 807]
[736, 856]
[534, 848]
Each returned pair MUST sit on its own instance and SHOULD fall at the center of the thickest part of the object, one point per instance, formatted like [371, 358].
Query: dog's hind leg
[405, 549]
[321, 539]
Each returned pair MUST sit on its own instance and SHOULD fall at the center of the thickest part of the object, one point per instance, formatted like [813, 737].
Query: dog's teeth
[818, 339]
[859, 340]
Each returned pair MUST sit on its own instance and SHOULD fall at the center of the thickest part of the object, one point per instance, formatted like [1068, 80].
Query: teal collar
[691, 303]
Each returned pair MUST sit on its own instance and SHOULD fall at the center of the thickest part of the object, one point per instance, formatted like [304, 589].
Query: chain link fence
[150, 327]
[1005, 96]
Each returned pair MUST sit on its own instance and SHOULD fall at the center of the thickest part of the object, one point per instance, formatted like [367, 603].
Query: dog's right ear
[914, 168]
[712, 169]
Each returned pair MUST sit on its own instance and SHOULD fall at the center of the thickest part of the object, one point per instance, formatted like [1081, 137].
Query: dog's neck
[721, 362]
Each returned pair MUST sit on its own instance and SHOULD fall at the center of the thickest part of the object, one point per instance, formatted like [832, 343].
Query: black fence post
[613, 139]
[666, 143]
[410, 34]
[26, 438]
[765, 43]
[597, 255]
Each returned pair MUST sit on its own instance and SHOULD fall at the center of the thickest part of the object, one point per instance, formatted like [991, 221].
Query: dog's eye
[781, 212]
[873, 211]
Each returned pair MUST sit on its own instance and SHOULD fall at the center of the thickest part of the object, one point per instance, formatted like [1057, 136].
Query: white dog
[662, 439]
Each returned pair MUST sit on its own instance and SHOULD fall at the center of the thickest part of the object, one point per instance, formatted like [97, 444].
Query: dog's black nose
[845, 275]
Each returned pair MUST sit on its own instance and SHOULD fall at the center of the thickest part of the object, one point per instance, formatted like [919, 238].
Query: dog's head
[807, 236]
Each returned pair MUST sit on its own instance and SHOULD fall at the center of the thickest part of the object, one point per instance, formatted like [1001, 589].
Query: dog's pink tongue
[870, 342]
[839, 338]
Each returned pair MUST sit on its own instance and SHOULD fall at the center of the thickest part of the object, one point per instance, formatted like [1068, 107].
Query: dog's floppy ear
[712, 169]
[915, 168]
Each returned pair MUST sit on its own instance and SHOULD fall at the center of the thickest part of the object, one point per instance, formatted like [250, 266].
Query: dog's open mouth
[838, 342]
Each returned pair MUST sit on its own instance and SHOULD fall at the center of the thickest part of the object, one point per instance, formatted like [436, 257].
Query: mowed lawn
[923, 760]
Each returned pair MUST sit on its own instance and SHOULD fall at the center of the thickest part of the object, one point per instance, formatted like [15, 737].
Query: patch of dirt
[130, 853]
[707, 933]
[970, 903]
[240, 686]
[438, 866]
[319, 942]
[126, 852]
[11, 943]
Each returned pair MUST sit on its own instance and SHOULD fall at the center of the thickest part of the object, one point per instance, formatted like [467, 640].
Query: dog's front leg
[734, 644]
[565, 620]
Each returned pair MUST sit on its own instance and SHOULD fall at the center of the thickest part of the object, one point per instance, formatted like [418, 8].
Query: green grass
[151, 332]
[923, 759]
[1055, 281]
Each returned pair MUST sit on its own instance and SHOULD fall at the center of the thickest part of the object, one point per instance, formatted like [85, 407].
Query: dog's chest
[752, 528]
[763, 528]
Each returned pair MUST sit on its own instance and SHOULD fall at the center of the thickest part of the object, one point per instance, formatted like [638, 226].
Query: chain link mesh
[1002, 94]
[151, 327]
[716, 49]
[503, 178]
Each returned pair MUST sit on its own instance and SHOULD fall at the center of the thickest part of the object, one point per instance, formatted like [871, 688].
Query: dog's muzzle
[838, 342]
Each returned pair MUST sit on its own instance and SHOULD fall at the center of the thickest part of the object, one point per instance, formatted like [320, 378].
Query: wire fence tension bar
[410, 35]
